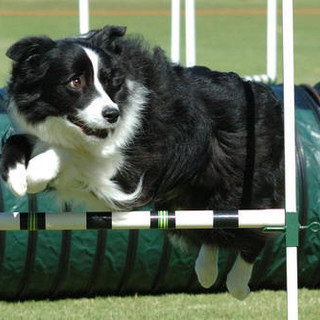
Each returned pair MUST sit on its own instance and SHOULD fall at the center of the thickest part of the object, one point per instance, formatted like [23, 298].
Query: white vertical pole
[292, 284]
[83, 16]
[272, 40]
[290, 164]
[190, 33]
[289, 110]
[175, 31]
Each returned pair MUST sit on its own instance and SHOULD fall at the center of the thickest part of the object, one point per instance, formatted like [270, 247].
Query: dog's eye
[78, 82]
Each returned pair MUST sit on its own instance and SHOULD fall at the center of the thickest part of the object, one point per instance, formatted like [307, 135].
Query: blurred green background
[227, 41]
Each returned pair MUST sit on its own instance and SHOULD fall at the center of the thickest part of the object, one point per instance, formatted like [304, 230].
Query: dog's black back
[209, 140]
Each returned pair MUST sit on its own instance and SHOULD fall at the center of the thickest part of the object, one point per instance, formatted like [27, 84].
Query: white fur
[92, 114]
[17, 180]
[131, 114]
[89, 180]
[41, 170]
[83, 166]
[239, 277]
[206, 266]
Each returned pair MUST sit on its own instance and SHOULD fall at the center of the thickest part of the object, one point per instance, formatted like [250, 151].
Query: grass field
[225, 42]
[260, 305]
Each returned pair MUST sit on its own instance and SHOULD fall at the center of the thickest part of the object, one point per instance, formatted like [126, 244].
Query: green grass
[259, 305]
[224, 42]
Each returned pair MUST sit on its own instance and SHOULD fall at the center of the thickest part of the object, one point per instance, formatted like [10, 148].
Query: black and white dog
[106, 121]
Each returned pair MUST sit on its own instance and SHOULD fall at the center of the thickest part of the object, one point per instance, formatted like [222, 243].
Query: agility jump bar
[195, 219]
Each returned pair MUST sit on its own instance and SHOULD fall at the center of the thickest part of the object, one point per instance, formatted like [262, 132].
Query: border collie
[106, 121]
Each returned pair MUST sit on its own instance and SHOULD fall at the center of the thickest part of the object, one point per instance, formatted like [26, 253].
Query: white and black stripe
[203, 219]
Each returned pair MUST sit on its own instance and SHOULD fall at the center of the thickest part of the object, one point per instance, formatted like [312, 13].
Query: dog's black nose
[111, 114]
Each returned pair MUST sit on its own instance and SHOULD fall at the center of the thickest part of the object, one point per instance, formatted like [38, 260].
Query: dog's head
[74, 85]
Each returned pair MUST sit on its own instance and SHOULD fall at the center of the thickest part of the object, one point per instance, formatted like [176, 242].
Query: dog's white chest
[88, 180]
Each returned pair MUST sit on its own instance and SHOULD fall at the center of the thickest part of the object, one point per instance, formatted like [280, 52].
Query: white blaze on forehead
[94, 58]
[92, 113]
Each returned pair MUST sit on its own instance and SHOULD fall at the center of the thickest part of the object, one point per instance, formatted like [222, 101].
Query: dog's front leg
[28, 165]
[42, 168]
[16, 153]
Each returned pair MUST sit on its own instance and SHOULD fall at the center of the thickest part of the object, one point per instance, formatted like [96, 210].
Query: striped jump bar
[195, 219]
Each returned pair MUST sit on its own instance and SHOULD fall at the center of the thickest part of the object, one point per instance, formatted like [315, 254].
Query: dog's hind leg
[239, 277]
[206, 266]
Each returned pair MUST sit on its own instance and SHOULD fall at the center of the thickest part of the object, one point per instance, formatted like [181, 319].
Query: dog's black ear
[113, 32]
[105, 37]
[30, 48]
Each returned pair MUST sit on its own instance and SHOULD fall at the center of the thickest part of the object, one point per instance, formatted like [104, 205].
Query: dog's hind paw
[238, 292]
[206, 266]
[238, 278]
[206, 276]
[17, 180]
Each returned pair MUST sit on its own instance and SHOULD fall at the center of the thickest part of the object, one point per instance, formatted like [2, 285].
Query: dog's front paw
[41, 170]
[15, 155]
[16, 178]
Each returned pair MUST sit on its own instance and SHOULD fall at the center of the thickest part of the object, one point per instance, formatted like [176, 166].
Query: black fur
[17, 149]
[207, 139]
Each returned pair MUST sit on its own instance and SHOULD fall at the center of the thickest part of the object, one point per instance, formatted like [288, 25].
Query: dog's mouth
[99, 133]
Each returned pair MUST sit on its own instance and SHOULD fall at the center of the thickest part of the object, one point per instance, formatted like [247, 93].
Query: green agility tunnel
[54, 264]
